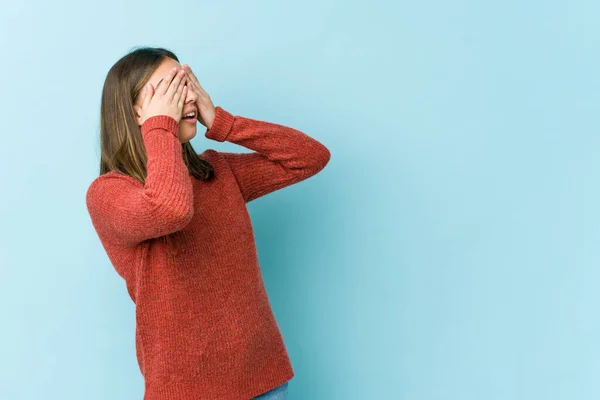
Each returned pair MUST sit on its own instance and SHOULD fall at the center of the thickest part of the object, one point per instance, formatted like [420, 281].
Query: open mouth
[190, 117]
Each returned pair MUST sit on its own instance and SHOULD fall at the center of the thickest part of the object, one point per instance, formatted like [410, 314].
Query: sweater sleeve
[125, 211]
[282, 155]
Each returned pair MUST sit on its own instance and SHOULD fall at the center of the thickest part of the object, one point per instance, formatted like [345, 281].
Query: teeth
[190, 114]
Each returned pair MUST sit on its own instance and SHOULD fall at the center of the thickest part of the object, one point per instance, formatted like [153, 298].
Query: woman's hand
[206, 108]
[166, 99]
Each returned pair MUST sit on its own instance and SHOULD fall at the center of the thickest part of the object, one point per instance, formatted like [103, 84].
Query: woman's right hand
[167, 98]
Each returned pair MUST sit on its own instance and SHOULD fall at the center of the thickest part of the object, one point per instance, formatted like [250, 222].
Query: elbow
[181, 218]
[161, 223]
[321, 158]
[313, 162]
[325, 157]
[174, 217]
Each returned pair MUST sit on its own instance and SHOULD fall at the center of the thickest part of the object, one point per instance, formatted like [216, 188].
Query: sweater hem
[189, 391]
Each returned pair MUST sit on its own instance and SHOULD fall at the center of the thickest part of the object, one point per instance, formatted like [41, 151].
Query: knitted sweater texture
[186, 251]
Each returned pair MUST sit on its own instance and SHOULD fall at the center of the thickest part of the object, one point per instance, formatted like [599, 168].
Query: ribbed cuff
[161, 122]
[221, 126]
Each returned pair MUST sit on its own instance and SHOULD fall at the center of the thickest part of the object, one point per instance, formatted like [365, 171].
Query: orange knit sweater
[186, 250]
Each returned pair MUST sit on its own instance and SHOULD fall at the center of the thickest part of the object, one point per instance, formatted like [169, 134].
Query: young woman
[175, 226]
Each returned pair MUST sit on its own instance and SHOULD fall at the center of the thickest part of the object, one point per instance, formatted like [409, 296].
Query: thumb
[148, 93]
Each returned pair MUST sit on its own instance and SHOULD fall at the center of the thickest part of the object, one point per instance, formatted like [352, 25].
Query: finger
[177, 95]
[197, 84]
[175, 83]
[180, 88]
[194, 78]
[142, 96]
[147, 95]
[191, 74]
[182, 97]
[164, 85]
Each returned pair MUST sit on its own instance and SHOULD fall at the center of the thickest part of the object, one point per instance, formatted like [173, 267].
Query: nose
[191, 96]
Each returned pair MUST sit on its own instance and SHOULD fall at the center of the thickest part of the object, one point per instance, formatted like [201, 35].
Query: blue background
[448, 251]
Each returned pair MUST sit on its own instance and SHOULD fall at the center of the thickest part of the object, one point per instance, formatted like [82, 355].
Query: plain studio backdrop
[450, 249]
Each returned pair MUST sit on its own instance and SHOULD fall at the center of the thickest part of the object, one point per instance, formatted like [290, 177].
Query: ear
[137, 109]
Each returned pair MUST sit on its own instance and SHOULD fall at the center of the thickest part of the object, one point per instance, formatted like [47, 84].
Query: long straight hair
[121, 142]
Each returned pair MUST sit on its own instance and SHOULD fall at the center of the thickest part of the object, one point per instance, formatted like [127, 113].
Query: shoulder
[213, 156]
[210, 154]
[221, 166]
[107, 184]
[112, 178]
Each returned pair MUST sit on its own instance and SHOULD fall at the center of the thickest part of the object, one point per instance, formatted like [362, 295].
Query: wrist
[221, 125]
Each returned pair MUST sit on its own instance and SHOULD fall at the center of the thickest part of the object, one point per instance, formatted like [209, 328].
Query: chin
[186, 136]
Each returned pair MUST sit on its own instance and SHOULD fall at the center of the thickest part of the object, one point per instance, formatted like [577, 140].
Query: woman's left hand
[206, 108]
